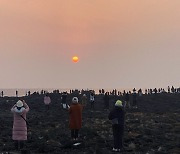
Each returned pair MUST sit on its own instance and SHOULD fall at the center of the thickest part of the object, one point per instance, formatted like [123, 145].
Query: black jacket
[117, 113]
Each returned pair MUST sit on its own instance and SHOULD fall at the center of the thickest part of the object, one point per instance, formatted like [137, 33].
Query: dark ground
[153, 128]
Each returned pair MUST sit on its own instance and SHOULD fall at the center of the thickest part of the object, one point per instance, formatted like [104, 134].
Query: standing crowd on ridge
[116, 116]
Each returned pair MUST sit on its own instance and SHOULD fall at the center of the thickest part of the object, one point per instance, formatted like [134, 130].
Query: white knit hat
[19, 103]
[75, 100]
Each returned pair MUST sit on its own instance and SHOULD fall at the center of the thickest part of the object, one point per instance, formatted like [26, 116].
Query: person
[63, 99]
[140, 92]
[19, 134]
[106, 101]
[127, 101]
[16, 93]
[47, 101]
[134, 99]
[2, 93]
[91, 99]
[117, 117]
[84, 100]
[75, 118]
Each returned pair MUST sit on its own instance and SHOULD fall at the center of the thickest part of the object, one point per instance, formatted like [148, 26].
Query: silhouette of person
[169, 89]
[172, 89]
[84, 100]
[16, 93]
[134, 99]
[127, 102]
[155, 90]
[47, 101]
[140, 92]
[63, 99]
[2, 93]
[106, 101]
[103, 91]
[134, 90]
[91, 99]
[117, 117]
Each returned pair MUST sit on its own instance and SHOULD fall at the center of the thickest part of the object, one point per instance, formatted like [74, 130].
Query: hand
[24, 103]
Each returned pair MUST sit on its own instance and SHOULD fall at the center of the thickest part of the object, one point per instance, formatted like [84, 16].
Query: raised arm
[25, 106]
[12, 109]
[111, 115]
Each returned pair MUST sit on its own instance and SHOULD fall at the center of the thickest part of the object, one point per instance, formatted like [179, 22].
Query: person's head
[118, 103]
[19, 104]
[74, 100]
[84, 95]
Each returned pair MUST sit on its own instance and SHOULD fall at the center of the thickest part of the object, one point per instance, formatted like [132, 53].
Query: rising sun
[75, 59]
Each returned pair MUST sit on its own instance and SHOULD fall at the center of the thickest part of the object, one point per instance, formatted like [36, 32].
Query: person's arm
[25, 106]
[110, 117]
[12, 109]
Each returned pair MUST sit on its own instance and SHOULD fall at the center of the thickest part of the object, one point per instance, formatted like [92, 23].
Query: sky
[120, 43]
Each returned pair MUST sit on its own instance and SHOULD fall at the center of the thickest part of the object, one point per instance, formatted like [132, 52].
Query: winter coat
[117, 113]
[91, 98]
[47, 100]
[63, 98]
[19, 124]
[75, 116]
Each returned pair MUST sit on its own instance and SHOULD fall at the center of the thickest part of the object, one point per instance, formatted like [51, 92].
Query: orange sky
[121, 43]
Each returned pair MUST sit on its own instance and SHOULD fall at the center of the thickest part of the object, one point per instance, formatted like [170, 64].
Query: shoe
[115, 150]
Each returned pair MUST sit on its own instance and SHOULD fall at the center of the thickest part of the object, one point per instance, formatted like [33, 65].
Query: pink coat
[19, 124]
[47, 100]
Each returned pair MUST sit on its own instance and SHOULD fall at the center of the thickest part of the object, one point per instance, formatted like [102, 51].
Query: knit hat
[19, 103]
[75, 100]
[118, 103]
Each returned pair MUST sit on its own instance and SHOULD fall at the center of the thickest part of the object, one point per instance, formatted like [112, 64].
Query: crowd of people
[75, 108]
[169, 89]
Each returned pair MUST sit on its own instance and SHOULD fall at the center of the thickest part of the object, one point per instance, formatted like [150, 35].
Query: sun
[75, 59]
